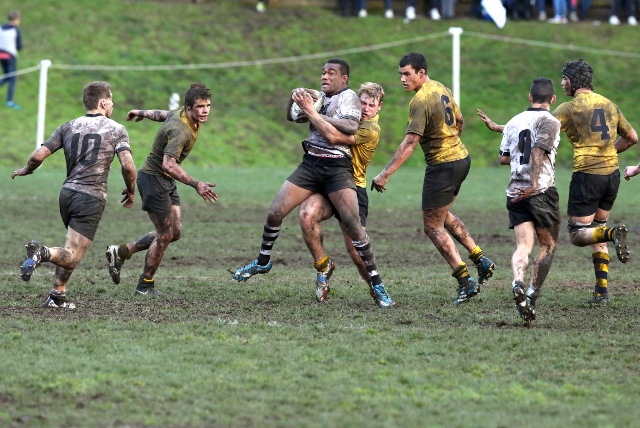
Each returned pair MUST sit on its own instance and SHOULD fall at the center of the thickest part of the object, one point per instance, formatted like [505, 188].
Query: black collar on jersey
[94, 114]
[341, 90]
[537, 109]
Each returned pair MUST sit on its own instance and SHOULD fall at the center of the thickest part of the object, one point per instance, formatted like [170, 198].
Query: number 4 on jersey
[599, 124]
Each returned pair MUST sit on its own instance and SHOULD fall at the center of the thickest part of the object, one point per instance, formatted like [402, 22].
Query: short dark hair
[416, 60]
[541, 91]
[13, 15]
[197, 91]
[344, 66]
[94, 92]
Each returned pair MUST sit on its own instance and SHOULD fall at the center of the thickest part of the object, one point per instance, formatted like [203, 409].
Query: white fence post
[455, 32]
[42, 100]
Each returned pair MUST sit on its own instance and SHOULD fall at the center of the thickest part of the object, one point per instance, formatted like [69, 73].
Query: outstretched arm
[405, 149]
[35, 160]
[129, 176]
[320, 122]
[171, 167]
[157, 115]
[490, 123]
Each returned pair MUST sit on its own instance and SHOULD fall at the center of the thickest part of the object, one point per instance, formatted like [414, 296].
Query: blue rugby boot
[253, 268]
[485, 269]
[467, 292]
[381, 296]
[34, 257]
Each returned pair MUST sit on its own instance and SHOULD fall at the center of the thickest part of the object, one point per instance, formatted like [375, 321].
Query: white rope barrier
[19, 72]
[235, 64]
[559, 46]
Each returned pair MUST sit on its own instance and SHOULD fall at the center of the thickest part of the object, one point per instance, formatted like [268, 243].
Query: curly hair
[197, 91]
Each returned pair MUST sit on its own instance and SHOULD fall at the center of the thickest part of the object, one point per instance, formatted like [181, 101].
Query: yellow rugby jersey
[592, 124]
[176, 137]
[367, 139]
[432, 115]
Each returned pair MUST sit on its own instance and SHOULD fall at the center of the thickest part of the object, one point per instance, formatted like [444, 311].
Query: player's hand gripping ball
[296, 112]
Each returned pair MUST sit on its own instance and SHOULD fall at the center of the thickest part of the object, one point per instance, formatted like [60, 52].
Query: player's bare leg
[289, 196]
[525, 240]
[434, 221]
[66, 259]
[548, 241]
[117, 254]
[459, 232]
[165, 234]
[312, 211]
[346, 202]
[434, 228]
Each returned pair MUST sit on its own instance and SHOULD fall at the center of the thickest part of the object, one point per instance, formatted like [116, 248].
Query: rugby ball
[297, 111]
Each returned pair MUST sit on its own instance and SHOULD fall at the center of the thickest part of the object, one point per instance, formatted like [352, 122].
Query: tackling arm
[320, 122]
[35, 160]
[156, 115]
[405, 149]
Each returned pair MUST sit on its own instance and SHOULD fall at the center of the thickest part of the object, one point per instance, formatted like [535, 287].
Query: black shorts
[80, 212]
[542, 209]
[324, 175]
[588, 192]
[158, 193]
[363, 206]
[442, 183]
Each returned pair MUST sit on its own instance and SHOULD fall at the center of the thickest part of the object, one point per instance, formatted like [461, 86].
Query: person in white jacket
[10, 44]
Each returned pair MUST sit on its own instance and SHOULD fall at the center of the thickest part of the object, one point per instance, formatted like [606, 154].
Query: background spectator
[432, 5]
[560, 12]
[10, 44]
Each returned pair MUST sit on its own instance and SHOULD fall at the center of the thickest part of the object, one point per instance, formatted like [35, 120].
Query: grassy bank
[247, 125]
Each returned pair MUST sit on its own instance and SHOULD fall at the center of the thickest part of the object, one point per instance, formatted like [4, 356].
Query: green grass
[247, 123]
[214, 352]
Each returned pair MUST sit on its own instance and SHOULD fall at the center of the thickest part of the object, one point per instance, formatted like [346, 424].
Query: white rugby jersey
[344, 104]
[535, 127]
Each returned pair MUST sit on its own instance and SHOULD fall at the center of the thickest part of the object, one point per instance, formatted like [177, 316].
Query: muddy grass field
[214, 352]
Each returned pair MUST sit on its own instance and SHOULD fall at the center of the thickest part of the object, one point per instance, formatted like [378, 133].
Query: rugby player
[529, 145]
[317, 207]
[436, 123]
[157, 184]
[90, 143]
[325, 168]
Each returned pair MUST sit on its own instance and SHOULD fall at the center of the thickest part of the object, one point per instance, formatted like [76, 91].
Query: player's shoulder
[349, 94]
[369, 125]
